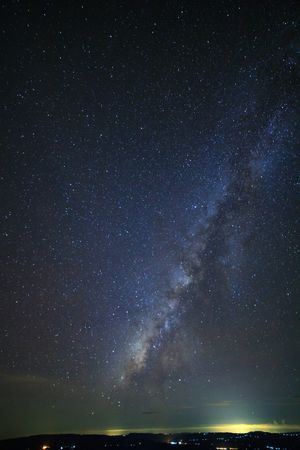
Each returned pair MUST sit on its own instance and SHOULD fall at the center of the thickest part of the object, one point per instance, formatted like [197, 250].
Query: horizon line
[216, 428]
[235, 428]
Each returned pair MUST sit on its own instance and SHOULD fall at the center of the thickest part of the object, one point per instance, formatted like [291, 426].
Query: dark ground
[255, 440]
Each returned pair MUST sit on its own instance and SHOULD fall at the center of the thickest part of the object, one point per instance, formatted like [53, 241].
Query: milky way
[211, 253]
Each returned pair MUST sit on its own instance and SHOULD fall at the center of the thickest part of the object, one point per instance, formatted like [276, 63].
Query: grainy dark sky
[150, 215]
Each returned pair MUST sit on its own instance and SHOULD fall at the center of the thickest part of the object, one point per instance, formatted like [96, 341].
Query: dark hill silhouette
[136, 441]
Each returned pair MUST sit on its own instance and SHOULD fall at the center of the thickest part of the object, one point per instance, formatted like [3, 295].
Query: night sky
[150, 182]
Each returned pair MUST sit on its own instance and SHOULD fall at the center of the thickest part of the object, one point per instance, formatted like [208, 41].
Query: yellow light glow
[248, 427]
[239, 428]
[226, 448]
[45, 447]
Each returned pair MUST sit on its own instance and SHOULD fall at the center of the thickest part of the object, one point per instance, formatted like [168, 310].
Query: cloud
[29, 379]
[221, 404]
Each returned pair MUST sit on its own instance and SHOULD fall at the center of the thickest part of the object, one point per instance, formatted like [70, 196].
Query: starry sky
[150, 183]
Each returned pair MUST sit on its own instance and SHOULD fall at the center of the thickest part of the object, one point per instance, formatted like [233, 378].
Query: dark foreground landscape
[218, 441]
